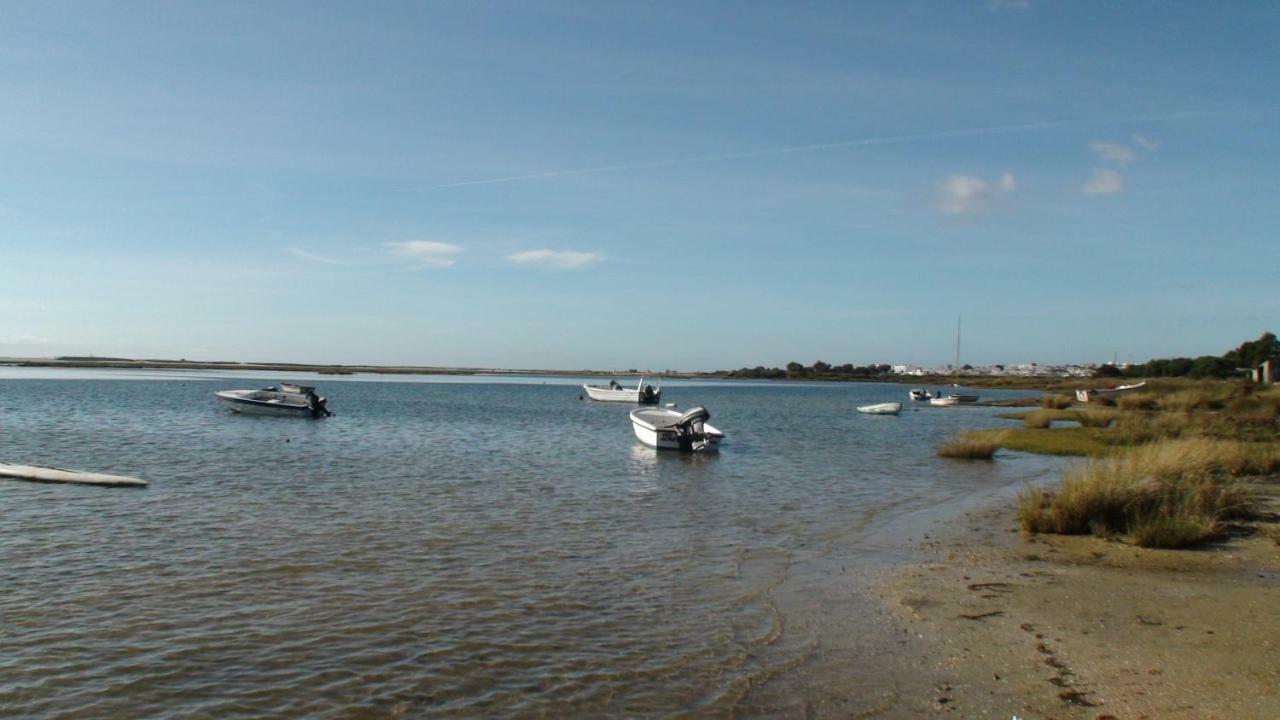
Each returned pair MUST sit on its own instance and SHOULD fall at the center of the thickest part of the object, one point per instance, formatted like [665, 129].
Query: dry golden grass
[971, 446]
[1170, 493]
[1056, 402]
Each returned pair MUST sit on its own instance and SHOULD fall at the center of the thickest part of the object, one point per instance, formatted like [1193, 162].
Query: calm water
[467, 547]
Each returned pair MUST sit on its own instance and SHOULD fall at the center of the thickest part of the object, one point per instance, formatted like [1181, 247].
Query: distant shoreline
[982, 381]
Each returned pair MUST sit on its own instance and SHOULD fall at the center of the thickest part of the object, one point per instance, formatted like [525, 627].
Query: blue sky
[683, 185]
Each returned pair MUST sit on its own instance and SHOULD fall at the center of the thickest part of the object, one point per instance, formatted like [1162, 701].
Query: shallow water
[461, 547]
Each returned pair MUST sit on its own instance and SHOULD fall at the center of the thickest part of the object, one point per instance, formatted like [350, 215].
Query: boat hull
[632, 395]
[881, 409]
[1108, 393]
[238, 401]
[954, 400]
[668, 437]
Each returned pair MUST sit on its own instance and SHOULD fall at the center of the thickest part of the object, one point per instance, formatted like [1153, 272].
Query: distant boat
[1108, 393]
[668, 429]
[286, 400]
[881, 409]
[920, 394]
[957, 399]
[641, 394]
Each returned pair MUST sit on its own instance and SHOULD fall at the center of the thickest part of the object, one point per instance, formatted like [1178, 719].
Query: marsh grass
[1041, 419]
[978, 445]
[1056, 402]
[1170, 493]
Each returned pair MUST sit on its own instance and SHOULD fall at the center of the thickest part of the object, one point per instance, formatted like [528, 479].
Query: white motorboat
[920, 394]
[284, 400]
[668, 429]
[641, 394]
[1108, 393]
[881, 409]
[955, 399]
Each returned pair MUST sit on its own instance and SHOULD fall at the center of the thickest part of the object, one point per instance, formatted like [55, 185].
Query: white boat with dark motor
[945, 400]
[641, 394]
[668, 429]
[284, 400]
[920, 394]
[881, 409]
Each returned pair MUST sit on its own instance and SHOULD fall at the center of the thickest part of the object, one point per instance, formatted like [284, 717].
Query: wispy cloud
[843, 144]
[864, 142]
[1145, 143]
[424, 253]
[1113, 152]
[555, 259]
[1105, 181]
[299, 252]
[970, 195]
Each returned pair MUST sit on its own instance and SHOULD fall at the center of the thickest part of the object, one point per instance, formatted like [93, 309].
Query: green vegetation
[1169, 467]
[1056, 402]
[1171, 493]
[819, 370]
[1248, 355]
[979, 445]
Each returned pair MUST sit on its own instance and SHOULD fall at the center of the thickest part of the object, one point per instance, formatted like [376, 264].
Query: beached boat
[881, 409]
[1108, 393]
[668, 429]
[613, 392]
[955, 399]
[61, 475]
[285, 400]
[920, 394]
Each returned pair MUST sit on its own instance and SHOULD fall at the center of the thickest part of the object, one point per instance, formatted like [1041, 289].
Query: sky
[638, 185]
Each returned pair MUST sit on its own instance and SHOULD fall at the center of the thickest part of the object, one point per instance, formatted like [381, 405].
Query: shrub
[970, 446]
[1170, 493]
[1056, 402]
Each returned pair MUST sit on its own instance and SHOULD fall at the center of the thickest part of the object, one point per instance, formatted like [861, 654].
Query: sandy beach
[1083, 627]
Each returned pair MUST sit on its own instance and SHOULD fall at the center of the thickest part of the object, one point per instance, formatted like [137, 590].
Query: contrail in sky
[863, 142]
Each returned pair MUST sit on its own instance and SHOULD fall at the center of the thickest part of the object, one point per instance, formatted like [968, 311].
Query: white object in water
[920, 394]
[954, 399]
[59, 475]
[881, 409]
[287, 400]
[1087, 395]
[613, 392]
[672, 430]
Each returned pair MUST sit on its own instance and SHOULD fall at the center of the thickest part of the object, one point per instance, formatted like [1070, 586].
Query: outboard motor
[317, 405]
[689, 432]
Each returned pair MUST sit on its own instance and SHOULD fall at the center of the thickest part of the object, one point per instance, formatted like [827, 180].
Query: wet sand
[1083, 627]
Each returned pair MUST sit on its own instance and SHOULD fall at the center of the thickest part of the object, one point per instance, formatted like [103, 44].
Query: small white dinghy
[287, 400]
[59, 475]
[953, 400]
[668, 429]
[920, 394]
[881, 409]
[613, 392]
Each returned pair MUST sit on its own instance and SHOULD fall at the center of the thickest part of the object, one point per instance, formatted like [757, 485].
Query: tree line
[1232, 363]
[818, 369]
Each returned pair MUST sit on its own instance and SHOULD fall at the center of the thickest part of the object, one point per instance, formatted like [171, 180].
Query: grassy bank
[1170, 467]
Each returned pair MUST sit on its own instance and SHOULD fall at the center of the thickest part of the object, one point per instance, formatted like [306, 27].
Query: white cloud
[299, 252]
[424, 253]
[555, 259]
[1145, 142]
[969, 195]
[1113, 152]
[1105, 181]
